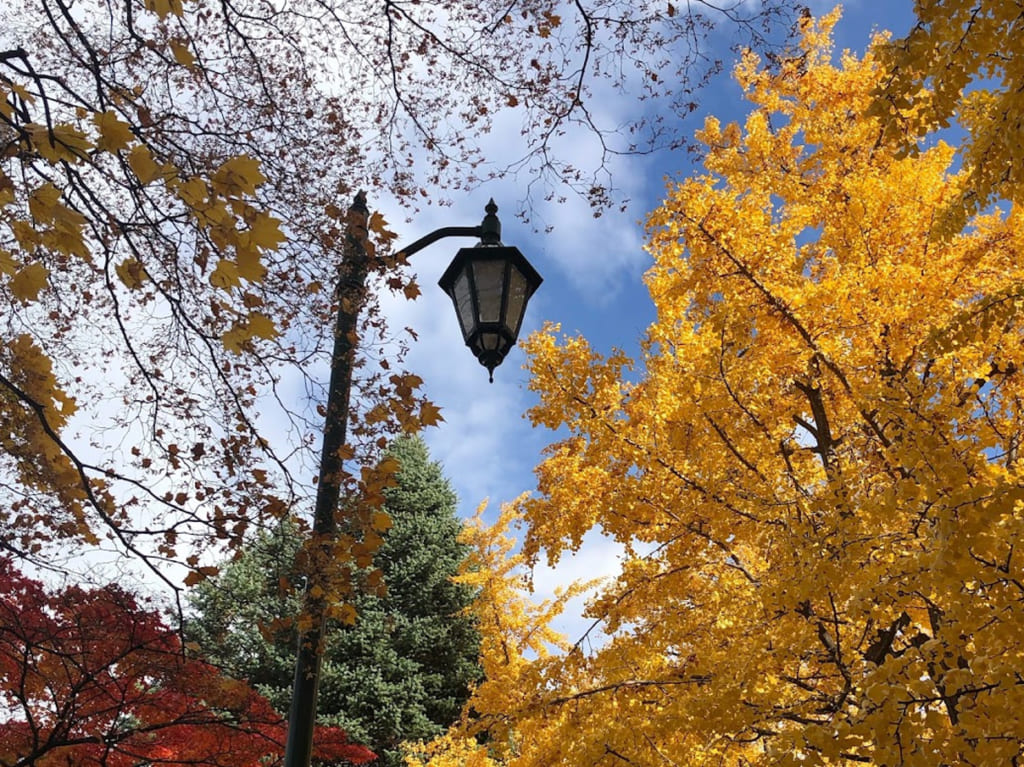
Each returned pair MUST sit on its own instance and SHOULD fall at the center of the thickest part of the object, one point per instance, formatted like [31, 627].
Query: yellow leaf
[262, 326]
[7, 263]
[376, 414]
[6, 189]
[256, 325]
[67, 234]
[182, 54]
[249, 266]
[239, 175]
[235, 338]
[265, 231]
[65, 143]
[194, 193]
[42, 202]
[142, 164]
[345, 613]
[29, 281]
[132, 273]
[164, 7]
[225, 275]
[22, 93]
[377, 223]
[304, 623]
[381, 521]
[115, 134]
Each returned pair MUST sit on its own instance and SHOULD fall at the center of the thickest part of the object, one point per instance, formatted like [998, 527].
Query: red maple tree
[90, 677]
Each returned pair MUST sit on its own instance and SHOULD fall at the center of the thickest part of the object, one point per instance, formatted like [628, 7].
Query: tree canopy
[961, 64]
[173, 182]
[93, 677]
[406, 666]
[813, 468]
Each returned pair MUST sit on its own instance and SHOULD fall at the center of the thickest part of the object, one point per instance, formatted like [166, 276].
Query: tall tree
[91, 677]
[405, 668]
[815, 471]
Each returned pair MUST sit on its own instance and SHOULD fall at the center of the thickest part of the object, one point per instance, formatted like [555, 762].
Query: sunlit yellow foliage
[34, 408]
[814, 468]
[969, 56]
[517, 646]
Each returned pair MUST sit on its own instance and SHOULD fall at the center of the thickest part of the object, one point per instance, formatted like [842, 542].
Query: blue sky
[593, 285]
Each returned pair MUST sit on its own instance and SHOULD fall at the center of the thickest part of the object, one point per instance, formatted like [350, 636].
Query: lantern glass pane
[489, 276]
[489, 341]
[464, 302]
[516, 300]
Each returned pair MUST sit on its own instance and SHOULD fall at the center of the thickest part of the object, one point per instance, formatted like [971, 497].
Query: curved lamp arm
[440, 234]
[489, 232]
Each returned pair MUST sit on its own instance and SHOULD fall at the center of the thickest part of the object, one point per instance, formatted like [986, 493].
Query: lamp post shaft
[350, 295]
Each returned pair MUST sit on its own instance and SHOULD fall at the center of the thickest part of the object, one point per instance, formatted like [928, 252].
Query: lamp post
[489, 285]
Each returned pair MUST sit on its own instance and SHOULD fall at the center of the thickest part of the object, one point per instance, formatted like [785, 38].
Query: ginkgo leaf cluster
[961, 64]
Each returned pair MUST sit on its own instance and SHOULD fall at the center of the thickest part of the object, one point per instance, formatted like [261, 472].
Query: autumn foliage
[91, 677]
[813, 470]
[960, 63]
[174, 179]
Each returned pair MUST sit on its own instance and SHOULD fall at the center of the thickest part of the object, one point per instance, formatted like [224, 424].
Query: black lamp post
[490, 285]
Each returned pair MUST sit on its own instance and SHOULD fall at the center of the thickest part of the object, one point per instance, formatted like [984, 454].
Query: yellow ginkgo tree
[814, 469]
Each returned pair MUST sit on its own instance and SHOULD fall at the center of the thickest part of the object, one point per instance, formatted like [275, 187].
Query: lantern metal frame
[491, 330]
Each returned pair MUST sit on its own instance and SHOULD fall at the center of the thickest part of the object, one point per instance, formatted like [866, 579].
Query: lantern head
[490, 285]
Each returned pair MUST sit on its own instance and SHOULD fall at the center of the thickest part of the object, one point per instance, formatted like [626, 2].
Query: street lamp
[489, 285]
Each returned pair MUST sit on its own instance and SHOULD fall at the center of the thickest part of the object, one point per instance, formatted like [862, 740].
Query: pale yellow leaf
[381, 521]
[132, 273]
[142, 164]
[163, 8]
[115, 134]
[249, 266]
[225, 275]
[29, 281]
[182, 54]
[265, 231]
[65, 142]
[261, 326]
[239, 175]
[430, 414]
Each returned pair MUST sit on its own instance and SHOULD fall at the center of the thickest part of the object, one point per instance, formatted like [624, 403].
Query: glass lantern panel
[464, 303]
[516, 300]
[489, 276]
[489, 341]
